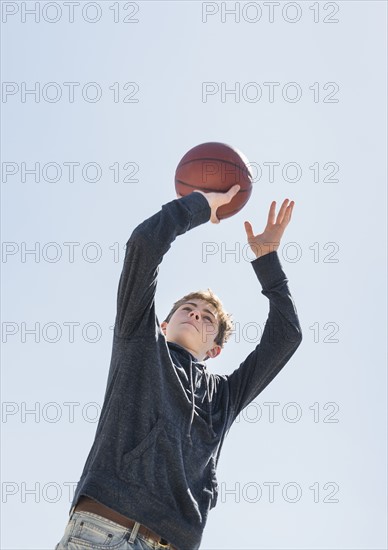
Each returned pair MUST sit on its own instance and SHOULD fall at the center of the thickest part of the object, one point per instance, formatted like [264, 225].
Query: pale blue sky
[169, 53]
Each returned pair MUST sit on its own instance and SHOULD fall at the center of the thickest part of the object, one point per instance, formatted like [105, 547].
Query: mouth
[187, 323]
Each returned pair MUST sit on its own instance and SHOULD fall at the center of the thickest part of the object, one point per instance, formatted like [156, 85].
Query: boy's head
[199, 323]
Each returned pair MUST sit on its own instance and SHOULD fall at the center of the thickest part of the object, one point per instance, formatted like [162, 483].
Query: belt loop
[134, 532]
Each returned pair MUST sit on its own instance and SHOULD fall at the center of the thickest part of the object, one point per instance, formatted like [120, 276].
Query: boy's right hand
[216, 200]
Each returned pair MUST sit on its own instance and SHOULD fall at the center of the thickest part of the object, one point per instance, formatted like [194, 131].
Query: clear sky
[123, 90]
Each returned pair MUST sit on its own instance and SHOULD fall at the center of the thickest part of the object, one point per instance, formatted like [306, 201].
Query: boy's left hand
[269, 240]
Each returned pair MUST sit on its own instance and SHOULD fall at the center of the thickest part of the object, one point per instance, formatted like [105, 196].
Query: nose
[196, 314]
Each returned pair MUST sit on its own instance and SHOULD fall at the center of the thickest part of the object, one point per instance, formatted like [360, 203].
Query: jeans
[86, 531]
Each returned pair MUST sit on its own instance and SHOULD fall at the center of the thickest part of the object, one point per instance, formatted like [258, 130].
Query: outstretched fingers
[282, 211]
[288, 213]
[284, 215]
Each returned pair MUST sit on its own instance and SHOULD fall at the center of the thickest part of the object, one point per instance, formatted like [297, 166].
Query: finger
[288, 214]
[228, 195]
[234, 189]
[271, 214]
[282, 211]
[249, 230]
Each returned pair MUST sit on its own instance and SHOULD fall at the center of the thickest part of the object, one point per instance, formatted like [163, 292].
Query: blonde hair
[225, 322]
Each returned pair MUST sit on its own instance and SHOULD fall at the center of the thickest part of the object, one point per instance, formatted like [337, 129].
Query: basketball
[215, 167]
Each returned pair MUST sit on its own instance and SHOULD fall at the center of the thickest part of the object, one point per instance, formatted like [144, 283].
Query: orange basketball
[215, 167]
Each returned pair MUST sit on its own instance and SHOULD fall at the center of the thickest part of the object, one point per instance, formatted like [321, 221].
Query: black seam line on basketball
[210, 190]
[217, 160]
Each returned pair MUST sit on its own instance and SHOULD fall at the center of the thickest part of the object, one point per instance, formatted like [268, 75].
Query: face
[194, 326]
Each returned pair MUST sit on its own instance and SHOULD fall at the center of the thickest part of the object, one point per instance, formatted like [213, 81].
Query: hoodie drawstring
[193, 404]
[209, 407]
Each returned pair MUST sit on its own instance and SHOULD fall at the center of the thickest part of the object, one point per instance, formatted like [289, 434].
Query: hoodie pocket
[157, 467]
[147, 465]
[146, 443]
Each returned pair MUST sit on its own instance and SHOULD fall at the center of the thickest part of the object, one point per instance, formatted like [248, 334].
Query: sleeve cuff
[269, 270]
[198, 207]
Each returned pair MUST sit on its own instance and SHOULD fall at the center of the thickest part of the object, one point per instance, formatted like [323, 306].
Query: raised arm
[282, 333]
[145, 249]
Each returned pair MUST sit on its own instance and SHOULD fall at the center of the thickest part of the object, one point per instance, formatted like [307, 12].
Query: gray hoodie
[165, 416]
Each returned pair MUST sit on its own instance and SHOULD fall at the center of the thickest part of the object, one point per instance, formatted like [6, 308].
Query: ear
[212, 353]
[163, 326]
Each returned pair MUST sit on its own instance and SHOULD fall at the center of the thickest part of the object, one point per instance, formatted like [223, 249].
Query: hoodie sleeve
[145, 249]
[281, 337]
